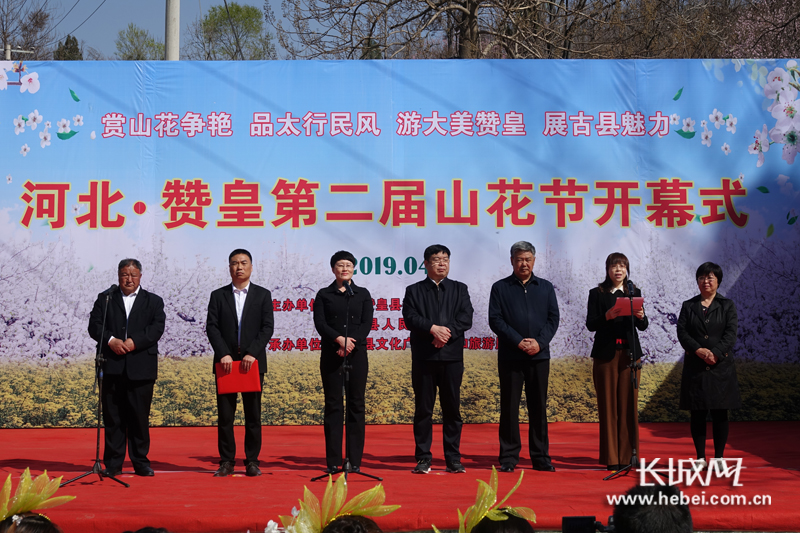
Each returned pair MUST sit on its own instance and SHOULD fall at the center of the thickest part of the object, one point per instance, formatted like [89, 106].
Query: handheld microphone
[348, 288]
[110, 290]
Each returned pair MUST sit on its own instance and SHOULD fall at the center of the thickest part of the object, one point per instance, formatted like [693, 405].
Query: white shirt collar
[246, 288]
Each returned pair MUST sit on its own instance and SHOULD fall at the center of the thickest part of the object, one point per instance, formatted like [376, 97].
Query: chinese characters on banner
[404, 202]
[390, 332]
[409, 124]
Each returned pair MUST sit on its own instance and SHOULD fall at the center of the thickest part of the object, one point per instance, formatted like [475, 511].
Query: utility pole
[172, 31]
[8, 51]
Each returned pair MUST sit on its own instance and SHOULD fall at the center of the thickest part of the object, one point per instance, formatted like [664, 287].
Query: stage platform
[184, 497]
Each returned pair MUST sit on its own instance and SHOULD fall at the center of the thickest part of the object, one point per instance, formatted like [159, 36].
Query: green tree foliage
[229, 33]
[137, 44]
[68, 50]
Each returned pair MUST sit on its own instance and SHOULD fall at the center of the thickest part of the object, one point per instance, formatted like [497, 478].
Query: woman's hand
[639, 314]
[345, 349]
[612, 313]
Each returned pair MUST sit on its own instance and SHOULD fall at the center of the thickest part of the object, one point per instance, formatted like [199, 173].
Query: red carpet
[184, 497]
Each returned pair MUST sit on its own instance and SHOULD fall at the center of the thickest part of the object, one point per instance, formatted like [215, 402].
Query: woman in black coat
[343, 336]
[618, 414]
[707, 331]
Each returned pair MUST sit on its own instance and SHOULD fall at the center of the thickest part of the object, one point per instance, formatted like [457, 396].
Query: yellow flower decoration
[485, 506]
[314, 516]
[31, 494]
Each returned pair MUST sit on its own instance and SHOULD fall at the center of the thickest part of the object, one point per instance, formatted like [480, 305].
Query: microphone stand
[98, 382]
[634, 366]
[347, 469]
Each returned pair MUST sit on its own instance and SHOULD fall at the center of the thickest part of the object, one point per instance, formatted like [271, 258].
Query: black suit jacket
[222, 326]
[330, 310]
[608, 331]
[144, 326]
[424, 305]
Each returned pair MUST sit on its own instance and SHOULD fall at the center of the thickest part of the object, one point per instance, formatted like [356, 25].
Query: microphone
[630, 289]
[109, 290]
[348, 288]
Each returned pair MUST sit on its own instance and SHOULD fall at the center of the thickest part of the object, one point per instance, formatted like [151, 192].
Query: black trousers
[426, 377]
[533, 375]
[226, 412]
[332, 370]
[126, 417]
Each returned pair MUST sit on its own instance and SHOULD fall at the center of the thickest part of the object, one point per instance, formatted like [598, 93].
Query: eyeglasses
[710, 277]
[439, 261]
[344, 266]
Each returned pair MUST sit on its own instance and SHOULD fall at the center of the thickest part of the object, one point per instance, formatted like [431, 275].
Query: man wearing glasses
[437, 312]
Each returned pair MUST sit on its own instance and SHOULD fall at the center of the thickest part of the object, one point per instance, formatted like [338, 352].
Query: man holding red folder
[239, 326]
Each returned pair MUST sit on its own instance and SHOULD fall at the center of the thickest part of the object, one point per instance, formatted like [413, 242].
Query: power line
[87, 18]
[65, 16]
[235, 34]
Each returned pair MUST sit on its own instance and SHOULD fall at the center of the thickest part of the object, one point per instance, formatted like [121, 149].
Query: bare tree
[767, 28]
[364, 29]
[26, 26]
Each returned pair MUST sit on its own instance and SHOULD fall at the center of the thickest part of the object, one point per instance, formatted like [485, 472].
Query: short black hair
[340, 255]
[656, 517]
[239, 251]
[514, 524]
[709, 268]
[352, 524]
[434, 249]
[129, 262]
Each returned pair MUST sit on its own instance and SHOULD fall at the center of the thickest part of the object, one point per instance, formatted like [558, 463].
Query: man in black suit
[134, 322]
[437, 312]
[523, 312]
[239, 326]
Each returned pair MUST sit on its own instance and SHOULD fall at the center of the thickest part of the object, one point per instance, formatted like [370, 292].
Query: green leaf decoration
[787, 215]
[726, 117]
[74, 96]
[770, 230]
[697, 218]
[678, 94]
[65, 136]
[685, 134]
[763, 189]
[25, 118]
[792, 220]
[91, 267]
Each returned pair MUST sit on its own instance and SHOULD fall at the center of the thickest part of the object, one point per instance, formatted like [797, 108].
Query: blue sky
[102, 28]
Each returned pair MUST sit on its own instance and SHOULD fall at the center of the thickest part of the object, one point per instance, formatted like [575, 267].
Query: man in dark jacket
[523, 312]
[437, 312]
[239, 326]
[134, 322]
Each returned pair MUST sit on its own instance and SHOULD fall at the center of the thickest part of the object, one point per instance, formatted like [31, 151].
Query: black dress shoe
[613, 468]
[252, 470]
[544, 467]
[144, 471]
[332, 470]
[507, 467]
[225, 469]
[355, 469]
[111, 472]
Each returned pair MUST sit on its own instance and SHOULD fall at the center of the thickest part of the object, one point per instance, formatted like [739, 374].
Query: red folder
[237, 380]
[624, 305]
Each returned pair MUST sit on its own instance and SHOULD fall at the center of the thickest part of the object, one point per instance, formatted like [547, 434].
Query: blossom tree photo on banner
[671, 162]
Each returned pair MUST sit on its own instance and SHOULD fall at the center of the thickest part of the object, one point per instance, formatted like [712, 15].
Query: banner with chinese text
[673, 163]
